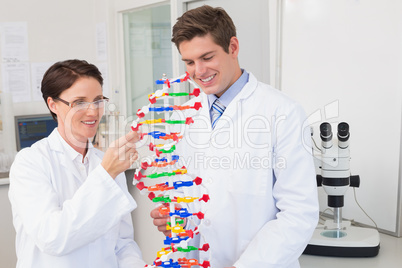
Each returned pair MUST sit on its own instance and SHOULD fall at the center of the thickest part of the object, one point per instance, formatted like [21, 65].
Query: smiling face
[77, 125]
[209, 65]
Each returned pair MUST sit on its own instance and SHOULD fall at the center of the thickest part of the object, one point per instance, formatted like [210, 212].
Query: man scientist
[259, 215]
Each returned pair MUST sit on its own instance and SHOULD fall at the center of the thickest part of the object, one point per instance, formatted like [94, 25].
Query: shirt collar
[232, 91]
[71, 153]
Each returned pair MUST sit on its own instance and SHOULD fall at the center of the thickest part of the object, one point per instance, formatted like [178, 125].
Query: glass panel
[148, 52]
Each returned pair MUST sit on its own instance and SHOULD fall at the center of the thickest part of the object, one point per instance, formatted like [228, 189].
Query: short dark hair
[63, 74]
[202, 21]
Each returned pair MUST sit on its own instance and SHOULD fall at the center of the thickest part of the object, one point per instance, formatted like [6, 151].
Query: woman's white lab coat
[65, 221]
[257, 167]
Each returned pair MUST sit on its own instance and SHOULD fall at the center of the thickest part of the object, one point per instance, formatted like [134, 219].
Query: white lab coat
[63, 221]
[257, 167]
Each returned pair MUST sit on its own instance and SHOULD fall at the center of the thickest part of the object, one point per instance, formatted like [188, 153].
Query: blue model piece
[160, 109]
[175, 157]
[174, 240]
[163, 159]
[179, 184]
[160, 82]
[170, 264]
[157, 134]
[183, 213]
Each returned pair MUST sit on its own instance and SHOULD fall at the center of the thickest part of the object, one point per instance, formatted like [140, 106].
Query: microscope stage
[349, 241]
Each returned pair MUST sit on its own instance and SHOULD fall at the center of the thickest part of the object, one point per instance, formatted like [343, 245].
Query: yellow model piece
[186, 199]
[163, 252]
[176, 229]
[152, 121]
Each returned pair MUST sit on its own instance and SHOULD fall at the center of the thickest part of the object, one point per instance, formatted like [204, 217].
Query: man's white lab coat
[65, 221]
[257, 167]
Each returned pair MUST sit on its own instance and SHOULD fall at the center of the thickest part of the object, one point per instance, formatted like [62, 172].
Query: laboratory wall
[340, 59]
[54, 31]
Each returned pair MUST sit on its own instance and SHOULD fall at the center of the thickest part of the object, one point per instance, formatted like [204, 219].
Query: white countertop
[389, 256]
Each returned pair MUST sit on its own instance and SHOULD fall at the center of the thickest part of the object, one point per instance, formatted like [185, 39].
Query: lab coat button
[207, 222]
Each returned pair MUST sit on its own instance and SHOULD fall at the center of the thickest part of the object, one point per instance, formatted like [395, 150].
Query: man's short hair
[204, 20]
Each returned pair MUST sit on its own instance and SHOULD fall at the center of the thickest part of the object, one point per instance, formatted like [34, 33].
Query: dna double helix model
[163, 166]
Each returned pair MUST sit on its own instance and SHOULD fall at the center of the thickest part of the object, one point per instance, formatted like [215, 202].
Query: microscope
[336, 237]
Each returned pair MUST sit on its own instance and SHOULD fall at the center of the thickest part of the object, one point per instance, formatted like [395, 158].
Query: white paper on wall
[16, 80]
[14, 42]
[38, 69]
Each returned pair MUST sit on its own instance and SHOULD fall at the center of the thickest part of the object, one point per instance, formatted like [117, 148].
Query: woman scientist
[70, 203]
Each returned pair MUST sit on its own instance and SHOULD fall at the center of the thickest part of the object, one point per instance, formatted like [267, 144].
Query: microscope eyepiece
[343, 132]
[325, 132]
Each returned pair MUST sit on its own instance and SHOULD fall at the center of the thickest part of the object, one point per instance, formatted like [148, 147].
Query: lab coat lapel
[97, 159]
[234, 108]
[204, 113]
[62, 157]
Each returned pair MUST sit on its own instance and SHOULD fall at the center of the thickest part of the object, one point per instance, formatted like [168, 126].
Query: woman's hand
[160, 221]
[121, 154]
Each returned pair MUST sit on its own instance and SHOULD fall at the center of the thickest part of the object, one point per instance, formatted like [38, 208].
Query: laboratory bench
[389, 256]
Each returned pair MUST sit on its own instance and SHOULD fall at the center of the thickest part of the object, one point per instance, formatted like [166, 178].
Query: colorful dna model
[162, 165]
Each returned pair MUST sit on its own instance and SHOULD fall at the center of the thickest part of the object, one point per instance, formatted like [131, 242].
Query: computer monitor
[31, 128]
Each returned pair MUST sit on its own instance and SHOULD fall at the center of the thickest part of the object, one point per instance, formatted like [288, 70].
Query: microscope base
[348, 241]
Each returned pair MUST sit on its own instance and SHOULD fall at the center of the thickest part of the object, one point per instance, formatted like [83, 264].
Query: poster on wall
[103, 68]
[38, 69]
[14, 42]
[16, 80]
[101, 42]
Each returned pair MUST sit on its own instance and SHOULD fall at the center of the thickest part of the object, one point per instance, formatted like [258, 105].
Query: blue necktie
[217, 110]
